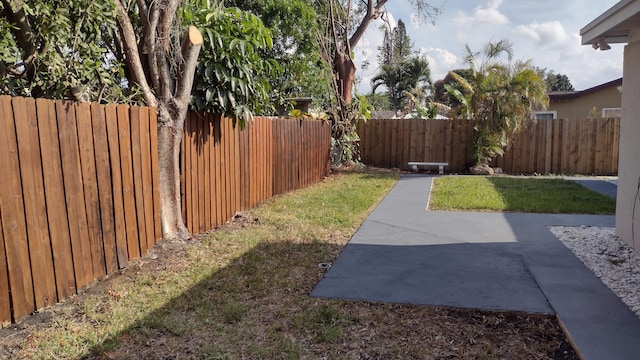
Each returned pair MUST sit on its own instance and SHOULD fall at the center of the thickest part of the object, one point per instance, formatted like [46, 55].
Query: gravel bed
[610, 258]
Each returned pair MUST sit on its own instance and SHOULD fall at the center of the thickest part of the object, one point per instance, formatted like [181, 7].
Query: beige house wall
[580, 107]
[628, 222]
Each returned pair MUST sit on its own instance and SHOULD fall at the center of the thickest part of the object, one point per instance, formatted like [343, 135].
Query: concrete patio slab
[404, 253]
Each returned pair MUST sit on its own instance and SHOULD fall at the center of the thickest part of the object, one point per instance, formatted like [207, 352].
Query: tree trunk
[172, 113]
[345, 71]
[169, 140]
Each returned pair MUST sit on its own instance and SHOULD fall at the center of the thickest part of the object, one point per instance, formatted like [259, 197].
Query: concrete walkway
[404, 253]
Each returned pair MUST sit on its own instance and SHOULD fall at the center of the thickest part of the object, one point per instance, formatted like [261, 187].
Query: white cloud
[441, 61]
[483, 15]
[546, 34]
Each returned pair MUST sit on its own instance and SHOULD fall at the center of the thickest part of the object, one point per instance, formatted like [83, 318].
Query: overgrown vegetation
[498, 95]
[533, 195]
[242, 291]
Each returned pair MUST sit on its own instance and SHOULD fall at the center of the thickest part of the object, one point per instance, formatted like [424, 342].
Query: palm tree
[499, 96]
[411, 75]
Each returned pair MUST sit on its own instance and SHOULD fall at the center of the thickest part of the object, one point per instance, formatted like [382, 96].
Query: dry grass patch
[242, 292]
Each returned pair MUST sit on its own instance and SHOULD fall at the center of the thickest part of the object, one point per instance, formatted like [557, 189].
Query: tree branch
[149, 17]
[132, 57]
[186, 71]
[14, 11]
[373, 12]
[161, 47]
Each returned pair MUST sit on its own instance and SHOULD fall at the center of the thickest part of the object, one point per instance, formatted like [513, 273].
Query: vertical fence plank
[222, 169]
[54, 193]
[600, 147]
[269, 158]
[581, 145]
[556, 162]
[251, 157]
[90, 183]
[227, 130]
[155, 175]
[74, 192]
[200, 175]
[284, 155]
[147, 177]
[237, 169]
[548, 146]
[259, 137]
[616, 147]
[128, 185]
[533, 148]
[113, 138]
[138, 184]
[12, 211]
[105, 196]
[40, 251]
[206, 155]
[244, 164]
[5, 292]
[212, 172]
[218, 169]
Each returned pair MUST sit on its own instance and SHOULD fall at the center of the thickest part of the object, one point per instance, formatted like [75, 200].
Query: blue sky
[544, 31]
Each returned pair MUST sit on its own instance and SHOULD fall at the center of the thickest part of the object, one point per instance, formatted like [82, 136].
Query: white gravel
[610, 258]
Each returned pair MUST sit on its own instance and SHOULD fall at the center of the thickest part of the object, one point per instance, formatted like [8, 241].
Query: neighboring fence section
[78, 183]
[565, 146]
[569, 146]
[393, 143]
[232, 169]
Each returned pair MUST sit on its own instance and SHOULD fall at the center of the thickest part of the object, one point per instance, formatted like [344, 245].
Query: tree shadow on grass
[257, 306]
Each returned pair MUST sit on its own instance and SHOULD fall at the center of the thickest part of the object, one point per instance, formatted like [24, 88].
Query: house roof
[613, 26]
[566, 95]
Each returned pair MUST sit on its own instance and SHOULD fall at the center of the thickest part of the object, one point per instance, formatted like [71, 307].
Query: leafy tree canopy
[440, 93]
[59, 49]
[554, 82]
[294, 27]
[232, 77]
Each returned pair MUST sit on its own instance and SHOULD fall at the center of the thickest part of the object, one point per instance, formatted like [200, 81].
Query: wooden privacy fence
[564, 146]
[78, 187]
[76, 197]
[227, 170]
[570, 146]
[393, 143]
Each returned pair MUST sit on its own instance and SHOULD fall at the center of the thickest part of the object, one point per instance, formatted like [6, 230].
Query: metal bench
[414, 165]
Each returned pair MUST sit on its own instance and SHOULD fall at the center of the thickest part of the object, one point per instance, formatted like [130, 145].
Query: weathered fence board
[122, 252]
[570, 146]
[13, 221]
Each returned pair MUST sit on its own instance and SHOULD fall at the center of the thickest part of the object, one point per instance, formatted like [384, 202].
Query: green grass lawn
[517, 194]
